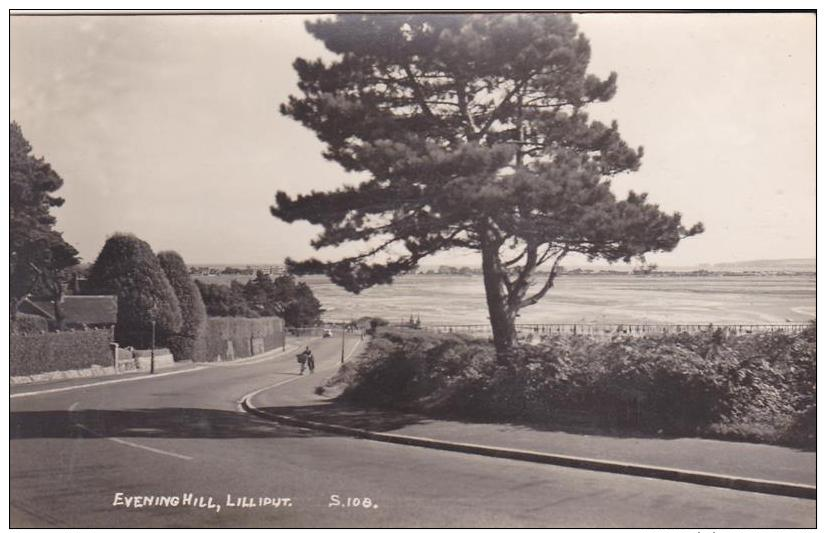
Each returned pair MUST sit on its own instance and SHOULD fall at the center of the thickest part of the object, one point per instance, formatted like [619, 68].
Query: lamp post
[342, 343]
[152, 314]
[152, 352]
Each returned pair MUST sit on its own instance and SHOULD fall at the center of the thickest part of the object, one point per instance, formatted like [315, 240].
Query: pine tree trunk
[501, 319]
[58, 312]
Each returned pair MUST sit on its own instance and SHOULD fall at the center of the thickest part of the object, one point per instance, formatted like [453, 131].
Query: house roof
[36, 308]
[90, 309]
[77, 309]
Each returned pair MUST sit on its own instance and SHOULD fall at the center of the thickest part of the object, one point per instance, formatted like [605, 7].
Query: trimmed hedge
[63, 350]
[229, 338]
[25, 324]
[190, 339]
[758, 387]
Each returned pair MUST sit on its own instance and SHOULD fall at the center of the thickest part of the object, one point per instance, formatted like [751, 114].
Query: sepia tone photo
[412, 269]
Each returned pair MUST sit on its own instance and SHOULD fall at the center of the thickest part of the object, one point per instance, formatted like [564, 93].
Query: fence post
[114, 347]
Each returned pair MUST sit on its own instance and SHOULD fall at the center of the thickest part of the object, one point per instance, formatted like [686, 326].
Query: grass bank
[758, 387]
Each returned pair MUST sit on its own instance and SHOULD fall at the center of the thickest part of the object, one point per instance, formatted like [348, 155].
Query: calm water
[601, 299]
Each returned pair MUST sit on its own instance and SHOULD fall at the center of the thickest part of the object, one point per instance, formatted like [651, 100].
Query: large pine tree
[473, 132]
[38, 254]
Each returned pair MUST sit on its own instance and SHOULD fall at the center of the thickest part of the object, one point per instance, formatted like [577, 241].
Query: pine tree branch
[470, 124]
[520, 285]
[549, 282]
[495, 113]
[418, 93]
[511, 262]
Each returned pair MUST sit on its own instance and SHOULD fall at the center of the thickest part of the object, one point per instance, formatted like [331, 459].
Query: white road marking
[73, 406]
[133, 445]
[246, 397]
[101, 383]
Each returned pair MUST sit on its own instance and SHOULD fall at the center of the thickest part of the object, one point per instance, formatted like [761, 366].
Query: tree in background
[264, 296]
[259, 292]
[225, 300]
[473, 131]
[300, 306]
[190, 338]
[127, 267]
[55, 272]
[37, 253]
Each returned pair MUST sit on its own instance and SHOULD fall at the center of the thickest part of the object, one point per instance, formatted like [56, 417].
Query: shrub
[127, 267]
[755, 387]
[25, 324]
[64, 350]
[190, 339]
[376, 323]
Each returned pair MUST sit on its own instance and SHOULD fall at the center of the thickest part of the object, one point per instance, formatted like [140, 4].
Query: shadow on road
[168, 423]
[345, 414]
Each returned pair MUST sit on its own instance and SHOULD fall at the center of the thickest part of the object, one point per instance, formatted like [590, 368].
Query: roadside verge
[618, 467]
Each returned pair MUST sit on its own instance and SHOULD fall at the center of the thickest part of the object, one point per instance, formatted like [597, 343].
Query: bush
[64, 350]
[234, 337]
[190, 339]
[756, 387]
[25, 324]
[127, 267]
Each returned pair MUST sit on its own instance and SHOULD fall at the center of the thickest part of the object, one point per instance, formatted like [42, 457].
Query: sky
[168, 127]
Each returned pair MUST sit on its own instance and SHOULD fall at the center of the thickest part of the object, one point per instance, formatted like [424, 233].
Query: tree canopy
[128, 268]
[264, 296]
[38, 254]
[473, 132]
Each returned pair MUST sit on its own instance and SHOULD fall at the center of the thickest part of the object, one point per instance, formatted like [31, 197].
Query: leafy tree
[225, 300]
[263, 296]
[259, 293]
[473, 132]
[127, 267]
[190, 338]
[300, 307]
[37, 253]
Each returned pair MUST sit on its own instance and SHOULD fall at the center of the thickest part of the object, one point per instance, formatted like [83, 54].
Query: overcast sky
[168, 127]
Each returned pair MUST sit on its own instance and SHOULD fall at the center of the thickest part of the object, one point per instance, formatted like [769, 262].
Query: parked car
[328, 333]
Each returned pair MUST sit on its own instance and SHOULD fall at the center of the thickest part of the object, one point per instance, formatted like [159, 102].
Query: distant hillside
[797, 265]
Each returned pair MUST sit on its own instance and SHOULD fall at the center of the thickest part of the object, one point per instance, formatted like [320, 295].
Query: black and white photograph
[412, 269]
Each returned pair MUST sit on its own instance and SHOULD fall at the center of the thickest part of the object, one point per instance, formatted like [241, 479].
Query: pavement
[78, 454]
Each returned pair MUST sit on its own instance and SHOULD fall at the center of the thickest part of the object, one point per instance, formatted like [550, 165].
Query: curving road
[80, 457]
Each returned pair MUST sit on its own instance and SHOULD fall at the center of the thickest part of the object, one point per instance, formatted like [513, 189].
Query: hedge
[758, 387]
[63, 350]
[235, 337]
[25, 324]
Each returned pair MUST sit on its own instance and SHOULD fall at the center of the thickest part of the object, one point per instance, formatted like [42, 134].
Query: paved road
[76, 453]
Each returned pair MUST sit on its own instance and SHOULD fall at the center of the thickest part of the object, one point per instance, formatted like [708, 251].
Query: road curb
[671, 474]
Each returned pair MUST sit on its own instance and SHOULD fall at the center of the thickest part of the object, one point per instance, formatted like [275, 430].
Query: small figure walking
[310, 361]
[301, 357]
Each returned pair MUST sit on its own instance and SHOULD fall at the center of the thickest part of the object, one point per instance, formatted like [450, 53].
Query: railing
[323, 331]
[609, 330]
